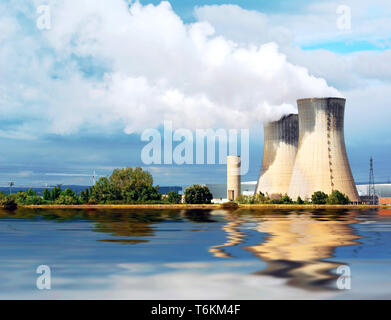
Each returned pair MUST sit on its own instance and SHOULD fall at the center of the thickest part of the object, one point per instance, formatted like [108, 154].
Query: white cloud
[155, 67]
[363, 77]
[314, 23]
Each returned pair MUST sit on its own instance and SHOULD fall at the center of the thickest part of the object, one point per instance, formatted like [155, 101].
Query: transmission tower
[371, 185]
[11, 184]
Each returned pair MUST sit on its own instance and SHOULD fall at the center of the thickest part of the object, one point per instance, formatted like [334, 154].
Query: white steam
[155, 67]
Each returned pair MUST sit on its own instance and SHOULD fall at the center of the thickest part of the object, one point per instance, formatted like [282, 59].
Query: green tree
[68, 197]
[46, 195]
[85, 196]
[260, 198]
[145, 193]
[30, 193]
[27, 198]
[103, 191]
[125, 177]
[174, 197]
[337, 197]
[55, 193]
[133, 185]
[68, 192]
[20, 197]
[33, 200]
[319, 197]
[124, 185]
[197, 194]
[299, 200]
[285, 199]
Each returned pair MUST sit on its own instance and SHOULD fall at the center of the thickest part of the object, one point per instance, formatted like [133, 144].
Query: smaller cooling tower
[321, 162]
[233, 177]
[279, 153]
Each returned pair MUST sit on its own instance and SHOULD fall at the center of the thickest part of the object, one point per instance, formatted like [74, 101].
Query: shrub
[337, 197]
[67, 200]
[319, 197]
[299, 200]
[197, 194]
[174, 197]
[230, 205]
[258, 198]
[8, 203]
[33, 200]
[243, 199]
[285, 199]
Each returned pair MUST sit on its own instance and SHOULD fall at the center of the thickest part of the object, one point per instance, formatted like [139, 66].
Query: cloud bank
[126, 66]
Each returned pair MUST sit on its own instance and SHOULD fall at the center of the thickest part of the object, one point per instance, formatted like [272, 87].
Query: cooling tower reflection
[234, 236]
[297, 245]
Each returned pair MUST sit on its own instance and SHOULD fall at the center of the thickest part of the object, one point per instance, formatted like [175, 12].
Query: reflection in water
[234, 236]
[297, 245]
[98, 252]
[125, 224]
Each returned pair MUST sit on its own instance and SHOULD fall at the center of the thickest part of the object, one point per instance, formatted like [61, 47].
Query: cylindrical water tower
[233, 177]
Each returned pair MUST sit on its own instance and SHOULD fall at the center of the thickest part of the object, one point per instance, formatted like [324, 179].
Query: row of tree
[319, 197]
[124, 186]
[30, 197]
[135, 186]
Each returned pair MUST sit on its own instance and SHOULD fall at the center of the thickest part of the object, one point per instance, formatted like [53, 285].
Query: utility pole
[11, 184]
[371, 185]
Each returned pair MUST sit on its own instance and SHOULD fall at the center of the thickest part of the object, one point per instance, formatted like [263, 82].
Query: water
[196, 254]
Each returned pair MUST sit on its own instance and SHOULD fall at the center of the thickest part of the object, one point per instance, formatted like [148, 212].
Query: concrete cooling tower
[279, 154]
[321, 162]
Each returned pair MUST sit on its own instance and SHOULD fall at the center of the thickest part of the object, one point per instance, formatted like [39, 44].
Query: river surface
[195, 254]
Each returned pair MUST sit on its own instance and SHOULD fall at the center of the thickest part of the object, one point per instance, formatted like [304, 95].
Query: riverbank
[205, 206]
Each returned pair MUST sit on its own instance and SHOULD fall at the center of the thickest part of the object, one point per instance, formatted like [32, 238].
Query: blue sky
[76, 97]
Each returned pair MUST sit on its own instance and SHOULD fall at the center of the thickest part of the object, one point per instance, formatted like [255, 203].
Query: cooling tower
[233, 177]
[321, 162]
[279, 154]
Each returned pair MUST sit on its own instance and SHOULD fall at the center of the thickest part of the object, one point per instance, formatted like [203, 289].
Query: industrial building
[385, 201]
[322, 163]
[382, 193]
[279, 154]
[303, 154]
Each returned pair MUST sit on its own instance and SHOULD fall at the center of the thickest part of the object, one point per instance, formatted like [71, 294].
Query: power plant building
[303, 154]
[321, 162]
[279, 154]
